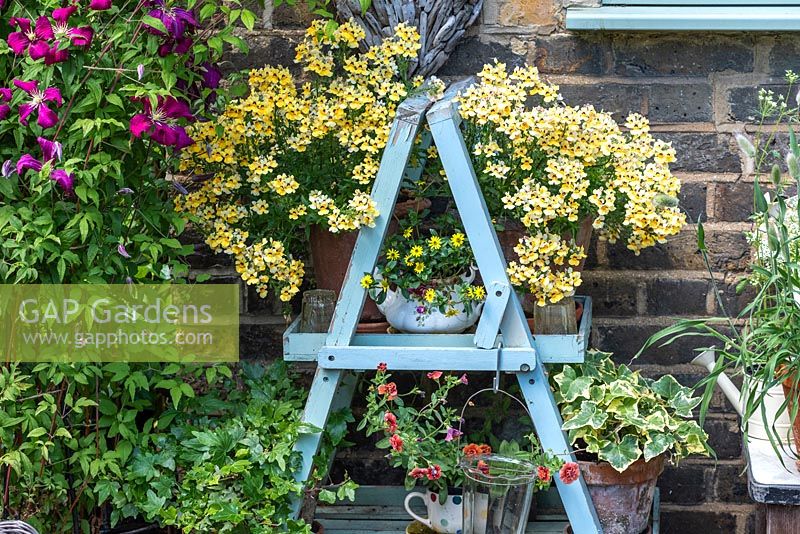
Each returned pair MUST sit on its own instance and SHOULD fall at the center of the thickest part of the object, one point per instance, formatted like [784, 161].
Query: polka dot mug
[444, 517]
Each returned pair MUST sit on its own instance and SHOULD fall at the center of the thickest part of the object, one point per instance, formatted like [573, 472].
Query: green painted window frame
[687, 15]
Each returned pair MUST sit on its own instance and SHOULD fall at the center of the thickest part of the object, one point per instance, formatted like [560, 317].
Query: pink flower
[47, 118]
[161, 123]
[100, 5]
[391, 422]
[122, 252]
[176, 20]
[31, 39]
[463, 379]
[5, 96]
[453, 433]
[382, 367]
[396, 442]
[62, 178]
[435, 375]
[569, 472]
[543, 473]
[77, 36]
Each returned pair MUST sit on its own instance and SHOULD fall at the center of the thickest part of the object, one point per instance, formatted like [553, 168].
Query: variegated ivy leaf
[656, 445]
[621, 388]
[578, 389]
[683, 403]
[621, 455]
[588, 416]
[656, 420]
[667, 387]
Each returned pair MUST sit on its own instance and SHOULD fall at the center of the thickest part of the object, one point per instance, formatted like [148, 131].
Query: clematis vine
[51, 151]
[161, 123]
[46, 117]
[176, 20]
[29, 37]
[5, 97]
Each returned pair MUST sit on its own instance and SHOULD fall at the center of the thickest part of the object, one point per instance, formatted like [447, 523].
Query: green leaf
[327, 496]
[622, 454]
[578, 388]
[760, 199]
[657, 444]
[248, 19]
[155, 23]
[588, 416]
[364, 6]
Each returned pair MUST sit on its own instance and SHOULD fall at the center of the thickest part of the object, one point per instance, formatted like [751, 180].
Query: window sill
[685, 18]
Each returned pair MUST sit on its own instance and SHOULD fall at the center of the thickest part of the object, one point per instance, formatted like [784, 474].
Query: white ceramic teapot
[413, 317]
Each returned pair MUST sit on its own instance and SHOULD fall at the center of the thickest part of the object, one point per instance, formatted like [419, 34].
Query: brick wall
[697, 89]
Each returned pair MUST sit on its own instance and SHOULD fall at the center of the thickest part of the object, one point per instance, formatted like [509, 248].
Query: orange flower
[569, 472]
[390, 390]
[396, 442]
[473, 449]
[391, 422]
[543, 472]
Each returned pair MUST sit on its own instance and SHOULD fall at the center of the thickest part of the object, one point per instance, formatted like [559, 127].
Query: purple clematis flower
[47, 118]
[122, 252]
[161, 123]
[176, 20]
[211, 75]
[100, 5]
[30, 38]
[60, 32]
[453, 433]
[180, 45]
[5, 96]
[51, 151]
[7, 168]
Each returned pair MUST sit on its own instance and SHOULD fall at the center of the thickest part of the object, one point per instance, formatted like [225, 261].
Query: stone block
[472, 54]
[730, 483]
[616, 98]
[525, 13]
[683, 484]
[671, 296]
[743, 101]
[703, 152]
[670, 103]
[693, 200]
[260, 341]
[684, 55]
[724, 437]
[570, 54]
[732, 201]
[693, 521]
[613, 294]
[783, 55]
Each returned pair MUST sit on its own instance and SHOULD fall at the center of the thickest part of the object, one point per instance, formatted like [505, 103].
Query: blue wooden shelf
[460, 347]
[685, 18]
[379, 510]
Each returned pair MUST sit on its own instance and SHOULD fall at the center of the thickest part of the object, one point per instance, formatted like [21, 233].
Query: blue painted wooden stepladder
[502, 341]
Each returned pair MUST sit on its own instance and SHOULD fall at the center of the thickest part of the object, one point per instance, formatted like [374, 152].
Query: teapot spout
[707, 360]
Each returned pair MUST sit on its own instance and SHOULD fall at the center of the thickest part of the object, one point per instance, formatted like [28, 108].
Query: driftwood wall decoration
[441, 24]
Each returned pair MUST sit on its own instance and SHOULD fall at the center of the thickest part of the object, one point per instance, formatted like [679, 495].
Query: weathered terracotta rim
[602, 474]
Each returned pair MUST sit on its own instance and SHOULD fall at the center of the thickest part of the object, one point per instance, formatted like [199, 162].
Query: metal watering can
[773, 401]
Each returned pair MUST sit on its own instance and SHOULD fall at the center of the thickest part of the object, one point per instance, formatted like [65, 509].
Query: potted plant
[293, 162]
[424, 278]
[551, 173]
[625, 426]
[760, 343]
[426, 443]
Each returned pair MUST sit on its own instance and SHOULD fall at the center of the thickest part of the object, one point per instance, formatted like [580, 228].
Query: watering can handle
[415, 495]
[495, 389]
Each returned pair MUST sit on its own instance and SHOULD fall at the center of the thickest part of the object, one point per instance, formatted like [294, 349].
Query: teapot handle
[471, 276]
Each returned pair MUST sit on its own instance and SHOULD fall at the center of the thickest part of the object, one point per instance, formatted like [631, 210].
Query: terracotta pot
[623, 500]
[330, 255]
[791, 390]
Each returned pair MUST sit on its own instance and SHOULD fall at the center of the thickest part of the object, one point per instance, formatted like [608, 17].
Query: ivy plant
[619, 416]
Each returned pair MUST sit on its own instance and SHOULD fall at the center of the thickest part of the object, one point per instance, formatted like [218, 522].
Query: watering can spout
[707, 360]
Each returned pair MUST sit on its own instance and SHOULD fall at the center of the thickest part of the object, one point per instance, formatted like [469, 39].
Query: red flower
[569, 472]
[435, 375]
[543, 473]
[391, 422]
[483, 467]
[382, 367]
[434, 472]
[390, 390]
[396, 442]
[418, 472]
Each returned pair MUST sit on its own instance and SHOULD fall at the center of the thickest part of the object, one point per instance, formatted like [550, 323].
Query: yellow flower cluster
[292, 154]
[554, 166]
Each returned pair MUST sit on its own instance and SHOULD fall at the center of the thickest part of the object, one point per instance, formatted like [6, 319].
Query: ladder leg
[332, 389]
[547, 420]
